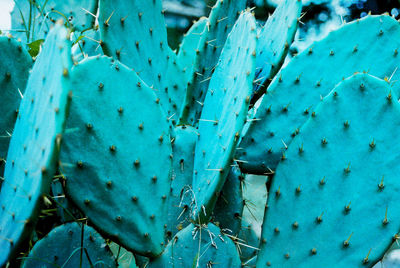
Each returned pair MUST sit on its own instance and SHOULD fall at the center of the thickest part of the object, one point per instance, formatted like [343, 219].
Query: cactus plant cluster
[109, 136]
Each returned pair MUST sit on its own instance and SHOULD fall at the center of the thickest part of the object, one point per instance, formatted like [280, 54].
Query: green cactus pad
[333, 200]
[64, 247]
[222, 17]
[34, 145]
[134, 32]
[188, 50]
[31, 20]
[199, 247]
[370, 44]
[275, 39]
[14, 70]
[220, 125]
[118, 141]
[229, 207]
[180, 195]
[248, 243]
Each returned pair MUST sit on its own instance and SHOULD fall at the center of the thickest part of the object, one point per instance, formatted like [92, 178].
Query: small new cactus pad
[115, 129]
[299, 87]
[71, 245]
[189, 48]
[34, 145]
[31, 20]
[274, 41]
[334, 199]
[220, 125]
[180, 198]
[222, 17]
[134, 32]
[229, 207]
[14, 70]
[197, 246]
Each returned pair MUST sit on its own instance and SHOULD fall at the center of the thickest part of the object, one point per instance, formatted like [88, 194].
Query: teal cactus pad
[134, 32]
[229, 207]
[189, 48]
[34, 145]
[199, 247]
[118, 139]
[180, 198]
[340, 154]
[249, 243]
[222, 17]
[14, 70]
[64, 246]
[42, 14]
[299, 87]
[220, 125]
[275, 39]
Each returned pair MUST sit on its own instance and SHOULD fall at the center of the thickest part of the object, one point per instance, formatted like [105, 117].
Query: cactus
[183, 147]
[34, 145]
[229, 207]
[31, 20]
[248, 243]
[299, 87]
[188, 50]
[71, 245]
[115, 128]
[345, 152]
[222, 17]
[135, 34]
[197, 246]
[87, 44]
[14, 69]
[274, 41]
[231, 84]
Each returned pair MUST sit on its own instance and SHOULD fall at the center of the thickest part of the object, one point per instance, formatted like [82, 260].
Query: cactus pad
[222, 17]
[220, 125]
[275, 39]
[180, 197]
[229, 207]
[64, 247]
[310, 76]
[134, 32]
[198, 247]
[34, 145]
[345, 153]
[14, 70]
[111, 176]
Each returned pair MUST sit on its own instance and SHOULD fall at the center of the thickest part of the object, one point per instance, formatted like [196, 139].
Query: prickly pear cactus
[220, 125]
[229, 207]
[34, 145]
[134, 32]
[189, 48]
[221, 19]
[14, 69]
[344, 152]
[310, 76]
[115, 129]
[87, 44]
[32, 20]
[274, 41]
[197, 246]
[180, 198]
[71, 245]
